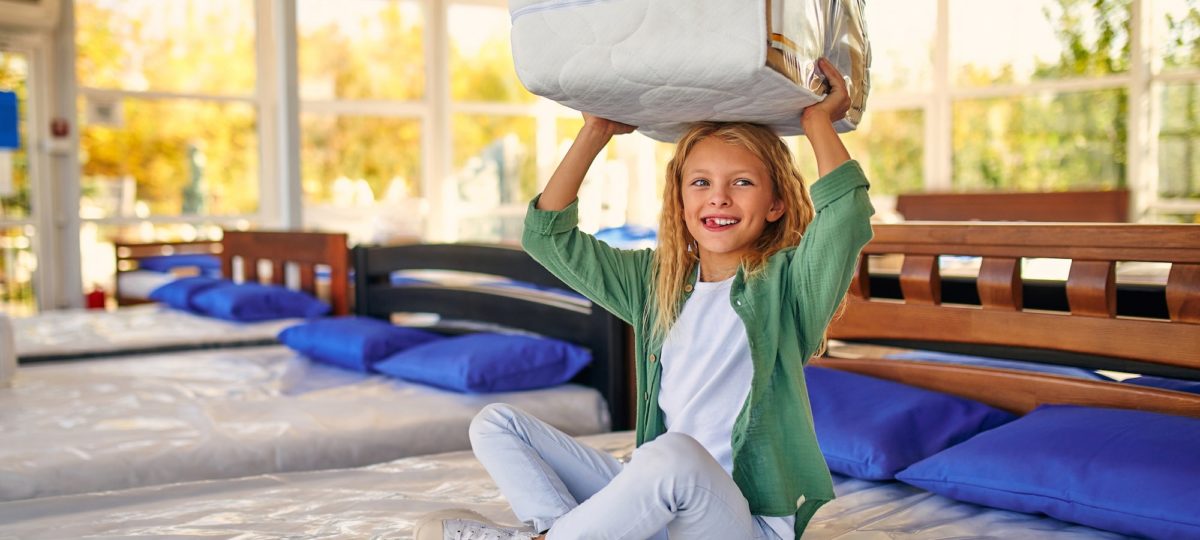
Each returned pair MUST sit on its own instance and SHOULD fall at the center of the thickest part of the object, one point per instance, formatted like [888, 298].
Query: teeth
[723, 221]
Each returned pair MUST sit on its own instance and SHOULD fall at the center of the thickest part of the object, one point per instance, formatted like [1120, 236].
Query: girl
[749, 271]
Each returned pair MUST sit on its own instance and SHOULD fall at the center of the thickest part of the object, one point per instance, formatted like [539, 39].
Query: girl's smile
[728, 200]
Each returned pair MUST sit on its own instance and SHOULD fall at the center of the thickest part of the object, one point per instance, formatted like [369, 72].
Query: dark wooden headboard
[306, 250]
[1090, 333]
[548, 314]
[1068, 206]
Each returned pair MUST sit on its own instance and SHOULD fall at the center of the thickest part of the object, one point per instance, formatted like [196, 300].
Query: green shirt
[785, 307]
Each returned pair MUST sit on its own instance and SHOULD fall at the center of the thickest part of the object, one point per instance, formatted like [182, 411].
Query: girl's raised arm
[818, 120]
[564, 184]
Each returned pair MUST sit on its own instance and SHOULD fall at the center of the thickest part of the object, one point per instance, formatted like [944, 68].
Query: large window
[170, 122]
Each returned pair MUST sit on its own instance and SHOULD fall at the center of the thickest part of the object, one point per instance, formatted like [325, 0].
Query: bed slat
[920, 281]
[1000, 283]
[1091, 289]
[1183, 293]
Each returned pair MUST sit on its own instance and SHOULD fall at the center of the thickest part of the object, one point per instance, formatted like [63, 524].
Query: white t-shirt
[706, 377]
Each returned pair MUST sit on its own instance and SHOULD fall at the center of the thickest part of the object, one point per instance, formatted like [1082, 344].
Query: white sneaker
[463, 524]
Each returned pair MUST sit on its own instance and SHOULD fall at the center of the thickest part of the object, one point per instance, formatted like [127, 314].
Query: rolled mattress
[661, 65]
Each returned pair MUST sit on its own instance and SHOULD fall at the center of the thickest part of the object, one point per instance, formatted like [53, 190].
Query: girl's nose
[718, 197]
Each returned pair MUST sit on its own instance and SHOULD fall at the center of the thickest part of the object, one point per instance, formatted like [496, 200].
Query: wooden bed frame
[1068, 206]
[551, 315]
[306, 250]
[1090, 335]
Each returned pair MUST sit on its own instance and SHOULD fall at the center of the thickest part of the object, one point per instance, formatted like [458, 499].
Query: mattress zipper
[549, 5]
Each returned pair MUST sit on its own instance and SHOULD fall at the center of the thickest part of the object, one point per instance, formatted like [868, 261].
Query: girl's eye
[700, 182]
[743, 182]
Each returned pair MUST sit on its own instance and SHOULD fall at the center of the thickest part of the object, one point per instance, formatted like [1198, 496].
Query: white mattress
[384, 501]
[82, 332]
[661, 65]
[138, 284]
[115, 423]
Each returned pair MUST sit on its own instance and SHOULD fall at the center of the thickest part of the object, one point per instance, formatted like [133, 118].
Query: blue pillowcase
[488, 362]
[872, 428]
[352, 342]
[1131, 472]
[208, 264]
[254, 302]
[178, 294]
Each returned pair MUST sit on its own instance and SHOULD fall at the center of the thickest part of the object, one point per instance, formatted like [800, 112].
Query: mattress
[663, 65]
[138, 284]
[72, 333]
[115, 423]
[385, 500]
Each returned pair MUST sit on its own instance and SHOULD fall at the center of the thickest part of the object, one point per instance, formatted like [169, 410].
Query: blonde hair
[674, 261]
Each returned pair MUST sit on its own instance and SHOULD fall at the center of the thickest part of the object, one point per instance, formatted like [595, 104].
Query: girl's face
[728, 200]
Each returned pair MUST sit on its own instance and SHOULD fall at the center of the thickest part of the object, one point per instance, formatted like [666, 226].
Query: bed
[142, 267]
[150, 327]
[120, 422]
[384, 500]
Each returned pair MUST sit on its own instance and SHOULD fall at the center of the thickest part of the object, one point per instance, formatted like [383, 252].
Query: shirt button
[647, 396]
[739, 302]
[653, 358]
[687, 288]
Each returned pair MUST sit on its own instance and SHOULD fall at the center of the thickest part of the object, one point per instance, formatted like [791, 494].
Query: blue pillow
[1178, 385]
[165, 263]
[178, 294]
[1131, 472]
[255, 302]
[488, 362]
[872, 428]
[352, 342]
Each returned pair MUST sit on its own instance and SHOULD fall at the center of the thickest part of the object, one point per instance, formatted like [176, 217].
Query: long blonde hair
[676, 257]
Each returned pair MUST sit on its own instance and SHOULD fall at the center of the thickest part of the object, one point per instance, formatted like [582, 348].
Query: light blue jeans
[670, 485]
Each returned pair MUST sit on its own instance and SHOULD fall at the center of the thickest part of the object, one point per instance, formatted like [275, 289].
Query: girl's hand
[606, 127]
[837, 101]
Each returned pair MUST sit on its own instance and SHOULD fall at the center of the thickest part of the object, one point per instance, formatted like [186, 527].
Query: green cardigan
[786, 308]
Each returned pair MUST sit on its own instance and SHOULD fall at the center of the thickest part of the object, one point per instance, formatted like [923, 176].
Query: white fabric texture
[116, 423]
[8, 352]
[706, 377]
[68, 332]
[662, 65]
[139, 284]
[385, 500]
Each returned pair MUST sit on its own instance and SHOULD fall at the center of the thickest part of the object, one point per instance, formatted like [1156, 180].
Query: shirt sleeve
[613, 278]
[825, 261]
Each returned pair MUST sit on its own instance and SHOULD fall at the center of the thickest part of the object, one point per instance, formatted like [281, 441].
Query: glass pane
[203, 161]
[98, 257]
[1179, 142]
[481, 64]
[362, 176]
[1177, 32]
[15, 188]
[1050, 142]
[362, 49]
[494, 160]
[204, 46]
[17, 267]
[1021, 40]
[890, 145]
[901, 35]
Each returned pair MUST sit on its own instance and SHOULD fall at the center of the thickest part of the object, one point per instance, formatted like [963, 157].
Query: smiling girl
[727, 310]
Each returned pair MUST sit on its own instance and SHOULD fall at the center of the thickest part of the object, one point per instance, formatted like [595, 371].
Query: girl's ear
[776, 211]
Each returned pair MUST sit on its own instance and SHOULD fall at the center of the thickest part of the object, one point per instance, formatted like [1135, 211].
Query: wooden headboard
[546, 313]
[1070, 206]
[1090, 333]
[306, 250]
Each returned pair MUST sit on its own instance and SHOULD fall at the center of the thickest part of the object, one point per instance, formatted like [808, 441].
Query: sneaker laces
[467, 529]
